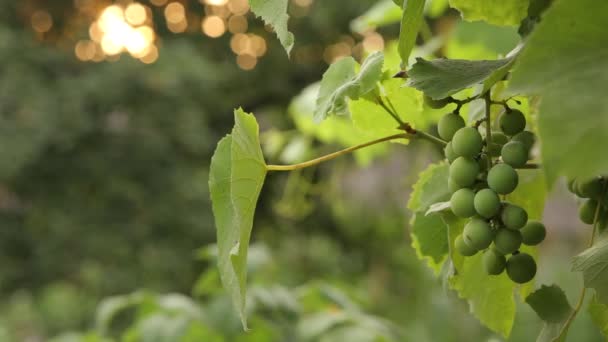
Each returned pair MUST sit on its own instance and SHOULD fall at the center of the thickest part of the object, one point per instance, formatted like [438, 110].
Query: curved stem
[334, 155]
[431, 138]
[581, 297]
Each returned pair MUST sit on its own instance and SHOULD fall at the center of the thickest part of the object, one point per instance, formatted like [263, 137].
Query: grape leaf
[551, 305]
[599, 315]
[431, 187]
[593, 262]
[237, 173]
[380, 14]
[565, 60]
[429, 233]
[497, 12]
[430, 239]
[438, 208]
[441, 78]
[413, 15]
[274, 13]
[341, 81]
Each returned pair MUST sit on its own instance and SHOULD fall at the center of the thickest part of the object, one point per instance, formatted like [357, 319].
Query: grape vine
[489, 191]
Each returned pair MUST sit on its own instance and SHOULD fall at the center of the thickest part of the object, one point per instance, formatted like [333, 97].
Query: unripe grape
[453, 186]
[573, 185]
[462, 247]
[467, 142]
[499, 138]
[461, 203]
[464, 171]
[521, 268]
[586, 212]
[494, 262]
[494, 149]
[515, 154]
[487, 203]
[526, 137]
[533, 233]
[478, 234]
[512, 122]
[513, 217]
[589, 188]
[449, 153]
[448, 125]
[503, 179]
[507, 241]
[436, 104]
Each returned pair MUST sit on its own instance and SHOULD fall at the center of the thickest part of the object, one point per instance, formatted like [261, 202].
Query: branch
[334, 155]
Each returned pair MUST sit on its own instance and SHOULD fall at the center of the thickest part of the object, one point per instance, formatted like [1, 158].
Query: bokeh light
[213, 26]
[41, 21]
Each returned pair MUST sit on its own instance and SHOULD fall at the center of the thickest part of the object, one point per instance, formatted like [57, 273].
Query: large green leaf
[599, 315]
[551, 305]
[430, 239]
[236, 177]
[274, 13]
[497, 12]
[341, 82]
[593, 262]
[413, 15]
[431, 187]
[429, 233]
[441, 78]
[566, 61]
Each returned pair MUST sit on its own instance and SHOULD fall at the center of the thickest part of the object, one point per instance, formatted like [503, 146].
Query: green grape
[494, 149]
[586, 212]
[462, 247]
[513, 216]
[514, 153]
[521, 268]
[449, 153]
[461, 203]
[533, 233]
[453, 186]
[503, 179]
[487, 203]
[573, 185]
[467, 142]
[499, 138]
[436, 104]
[590, 188]
[526, 137]
[494, 262]
[464, 171]
[478, 234]
[448, 125]
[512, 122]
[507, 241]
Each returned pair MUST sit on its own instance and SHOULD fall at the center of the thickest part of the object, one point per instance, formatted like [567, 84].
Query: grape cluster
[476, 179]
[593, 192]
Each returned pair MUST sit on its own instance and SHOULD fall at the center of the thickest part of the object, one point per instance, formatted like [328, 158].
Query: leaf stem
[335, 154]
[581, 297]
[488, 101]
[391, 111]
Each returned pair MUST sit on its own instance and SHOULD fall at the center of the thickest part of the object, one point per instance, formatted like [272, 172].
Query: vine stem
[488, 101]
[335, 154]
[581, 297]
